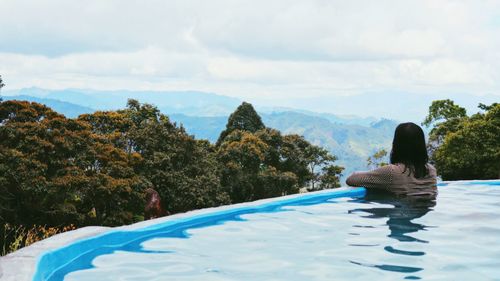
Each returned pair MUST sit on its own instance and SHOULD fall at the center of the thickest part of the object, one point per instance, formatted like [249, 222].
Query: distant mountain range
[352, 139]
[188, 102]
[70, 110]
[191, 103]
[351, 143]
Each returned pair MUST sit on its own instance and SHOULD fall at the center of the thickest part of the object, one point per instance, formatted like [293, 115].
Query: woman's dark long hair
[408, 148]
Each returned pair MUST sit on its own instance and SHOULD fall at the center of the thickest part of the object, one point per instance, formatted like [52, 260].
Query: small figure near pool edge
[153, 208]
[409, 172]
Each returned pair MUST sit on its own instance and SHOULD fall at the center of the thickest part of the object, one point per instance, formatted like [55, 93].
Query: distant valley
[351, 143]
[352, 139]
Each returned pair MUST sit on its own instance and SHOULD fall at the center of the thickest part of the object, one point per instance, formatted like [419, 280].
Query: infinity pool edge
[24, 264]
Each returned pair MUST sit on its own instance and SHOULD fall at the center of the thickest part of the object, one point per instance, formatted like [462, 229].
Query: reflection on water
[400, 215]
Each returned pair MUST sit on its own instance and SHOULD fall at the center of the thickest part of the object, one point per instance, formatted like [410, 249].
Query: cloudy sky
[275, 52]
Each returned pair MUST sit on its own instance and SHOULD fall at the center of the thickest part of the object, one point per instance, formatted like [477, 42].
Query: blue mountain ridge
[69, 110]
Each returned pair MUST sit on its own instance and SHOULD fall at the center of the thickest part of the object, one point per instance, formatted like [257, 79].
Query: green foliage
[182, 169]
[1, 86]
[245, 118]
[377, 159]
[352, 143]
[467, 147]
[330, 178]
[263, 163]
[473, 151]
[487, 107]
[445, 117]
[242, 157]
[316, 158]
[293, 158]
[94, 169]
[444, 110]
[55, 170]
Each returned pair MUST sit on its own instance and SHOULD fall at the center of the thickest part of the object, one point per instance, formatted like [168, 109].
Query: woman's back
[409, 172]
[397, 179]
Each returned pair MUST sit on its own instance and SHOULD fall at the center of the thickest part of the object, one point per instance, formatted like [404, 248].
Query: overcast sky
[276, 51]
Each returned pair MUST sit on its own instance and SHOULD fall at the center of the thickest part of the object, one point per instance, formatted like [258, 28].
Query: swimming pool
[320, 236]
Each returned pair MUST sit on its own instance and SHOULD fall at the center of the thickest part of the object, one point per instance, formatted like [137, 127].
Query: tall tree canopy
[183, 170]
[55, 170]
[258, 162]
[464, 147]
[444, 117]
[245, 118]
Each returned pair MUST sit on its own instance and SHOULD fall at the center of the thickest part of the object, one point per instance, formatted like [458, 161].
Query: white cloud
[253, 49]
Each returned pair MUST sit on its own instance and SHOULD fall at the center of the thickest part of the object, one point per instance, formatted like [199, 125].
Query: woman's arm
[378, 178]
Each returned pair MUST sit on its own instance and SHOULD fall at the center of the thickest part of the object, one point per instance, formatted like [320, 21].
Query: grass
[15, 237]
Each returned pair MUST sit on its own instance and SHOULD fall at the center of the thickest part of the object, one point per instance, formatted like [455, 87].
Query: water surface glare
[376, 237]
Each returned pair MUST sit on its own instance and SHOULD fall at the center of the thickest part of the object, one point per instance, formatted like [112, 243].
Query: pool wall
[51, 258]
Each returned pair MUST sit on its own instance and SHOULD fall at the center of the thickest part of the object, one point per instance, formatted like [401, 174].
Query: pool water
[455, 237]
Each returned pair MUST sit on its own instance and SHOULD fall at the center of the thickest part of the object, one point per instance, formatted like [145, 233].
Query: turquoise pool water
[374, 237]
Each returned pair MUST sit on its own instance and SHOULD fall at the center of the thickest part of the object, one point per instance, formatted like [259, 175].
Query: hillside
[351, 143]
[352, 139]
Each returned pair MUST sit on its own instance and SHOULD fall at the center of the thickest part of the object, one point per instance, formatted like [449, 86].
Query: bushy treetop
[244, 118]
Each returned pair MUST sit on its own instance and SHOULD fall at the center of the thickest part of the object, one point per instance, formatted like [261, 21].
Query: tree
[56, 171]
[284, 181]
[251, 158]
[317, 157]
[258, 162]
[272, 183]
[473, 151]
[466, 147]
[1, 86]
[94, 170]
[242, 155]
[443, 110]
[330, 178]
[245, 118]
[274, 141]
[377, 159]
[181, 169]
[485, 107]
[249, 169]
[293, 158]
[444, 116]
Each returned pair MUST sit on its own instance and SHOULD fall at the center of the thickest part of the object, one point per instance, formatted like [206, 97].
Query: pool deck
[21, 265]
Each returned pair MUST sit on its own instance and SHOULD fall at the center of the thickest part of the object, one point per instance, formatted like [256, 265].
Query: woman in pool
[409, 172]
